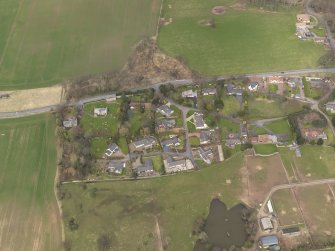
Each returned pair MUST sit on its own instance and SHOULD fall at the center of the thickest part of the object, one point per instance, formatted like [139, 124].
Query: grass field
[280, 127]
[265, 149]
[316, 162]
[29, 216]
[44, 42]
[287, 209]
[127, 211]
[243, 41]
[320, 219]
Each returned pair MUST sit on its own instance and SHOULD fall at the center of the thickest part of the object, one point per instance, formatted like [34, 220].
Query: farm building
[270, 241]
[291, 231]
[266, 223]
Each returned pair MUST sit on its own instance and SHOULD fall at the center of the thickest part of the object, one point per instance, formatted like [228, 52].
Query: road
[180, 82]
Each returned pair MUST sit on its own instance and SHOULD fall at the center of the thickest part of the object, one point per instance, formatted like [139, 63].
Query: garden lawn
[44, 42]
[279, 127]
[265, 149]
[227, 127]
[29, 215]
[126, 211]
[243, 41]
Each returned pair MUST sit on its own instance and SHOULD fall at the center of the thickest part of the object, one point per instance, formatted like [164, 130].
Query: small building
[209, 91]
[189, 94]
[173, 141]
[232, 90]
[297, 152]
[293, 231]
[111, 98]
[206, 155]
[253, 87]
[199, 121]
[166, 124]
[146, 169]
[264, 139]
[100, 112]
[269, 241]
[269, 206]
[303, 18]
[231, 143]
[330, 107]
[266, 223]
[112, 148]
[70, 122]
[145, 143]
[116, 167]
[165, 110]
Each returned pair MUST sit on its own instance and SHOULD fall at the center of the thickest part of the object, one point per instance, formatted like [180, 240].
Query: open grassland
[280, 127]
[286, 207]
[317, 162]
[260, 108]
[265, 149]
[127, 211]
[43, 42]
[243, 40]
[29, 216]
[317, 203]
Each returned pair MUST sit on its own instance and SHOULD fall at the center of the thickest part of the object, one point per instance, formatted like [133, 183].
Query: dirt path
[159, 237]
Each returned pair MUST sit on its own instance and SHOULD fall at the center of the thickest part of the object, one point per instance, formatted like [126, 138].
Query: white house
[100, 112]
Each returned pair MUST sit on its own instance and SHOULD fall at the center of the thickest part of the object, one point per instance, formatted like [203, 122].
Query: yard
[242, 41]
[280, 127]
[157, 162]
[265, 149]
[227, 127]
[126, 212]
[42, 43]
[262, 108]
[311, 92]
[29, 215]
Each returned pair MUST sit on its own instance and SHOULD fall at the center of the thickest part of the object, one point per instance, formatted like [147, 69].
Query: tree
[333, 120]
[218, 103]
[73, 224]
[320, 142]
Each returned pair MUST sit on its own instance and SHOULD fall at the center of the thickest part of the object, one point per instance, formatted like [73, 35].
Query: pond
[224, 228]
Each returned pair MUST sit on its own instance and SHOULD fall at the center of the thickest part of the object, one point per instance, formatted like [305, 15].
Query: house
[275, 80]
[294, 82]
[100, 112]
[165, 110]
[266, 223]
[116, 166]
[112, 148]
[264, 139]
[209, 91]
[145, 143]
[291, 231]
[206, 136]
[111, 98]
[146, 169]
[189, 94]
[233, 140]
[303, 18]
[175, 165]
[199, 121]
[206, 155]
[269, 241]
[70, 122]
[314, 134]
[232, 90]
[253, 87]
[166, 124]
[173, 141]
[330, 107]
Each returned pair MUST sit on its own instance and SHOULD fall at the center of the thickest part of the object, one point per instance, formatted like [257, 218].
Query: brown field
[263, 173]
[318, 205]
[286, 208]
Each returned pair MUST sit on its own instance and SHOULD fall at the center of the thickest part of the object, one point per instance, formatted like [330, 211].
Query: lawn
[29, 215]
[42, 43]
[261, 108]
[194, 141]
[265, 149]
[107, 124]
[243, 41]
[286, 208]
[311, 92]
[157, 162]
[231, 105]
[126, 211]
[279, 127]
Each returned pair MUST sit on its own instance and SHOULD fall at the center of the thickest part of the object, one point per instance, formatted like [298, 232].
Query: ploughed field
[29, 216]
[43, 42]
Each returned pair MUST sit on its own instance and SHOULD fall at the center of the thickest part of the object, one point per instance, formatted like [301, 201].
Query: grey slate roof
[198, 120]
[146, 167]
[116, 166]
[165, 110]
[175, 163]
[145, 142]
[269, 240]
[233, 90]
[169, 142]
[166, 123]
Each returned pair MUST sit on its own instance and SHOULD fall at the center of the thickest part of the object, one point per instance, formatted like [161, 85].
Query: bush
[104, 243]
[73, 224]
[320, 142]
